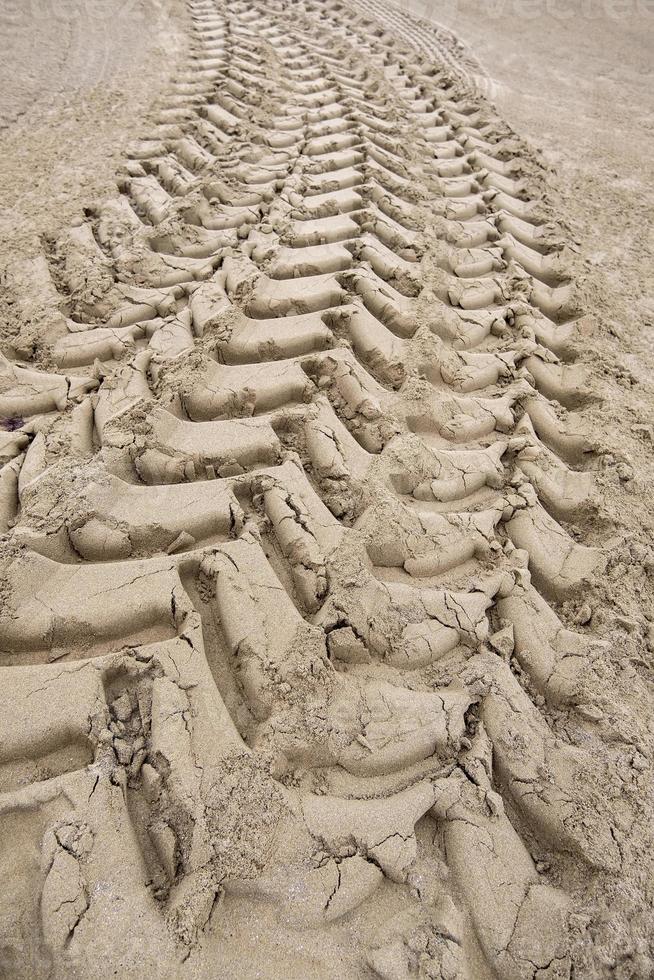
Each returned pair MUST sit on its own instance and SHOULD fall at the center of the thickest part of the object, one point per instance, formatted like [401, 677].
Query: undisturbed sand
[326, 622]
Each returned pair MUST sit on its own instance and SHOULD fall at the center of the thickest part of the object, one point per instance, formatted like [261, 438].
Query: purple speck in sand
[10, 425]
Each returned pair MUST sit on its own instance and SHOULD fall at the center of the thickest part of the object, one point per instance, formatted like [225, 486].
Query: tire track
[290, 450]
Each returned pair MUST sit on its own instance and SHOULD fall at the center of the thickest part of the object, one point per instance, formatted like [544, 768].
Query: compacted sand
[326, 435]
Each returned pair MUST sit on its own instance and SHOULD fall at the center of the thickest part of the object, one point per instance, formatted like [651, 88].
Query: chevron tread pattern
[290, 462]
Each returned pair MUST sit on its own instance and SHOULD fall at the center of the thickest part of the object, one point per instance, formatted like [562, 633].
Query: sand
[326, 620]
